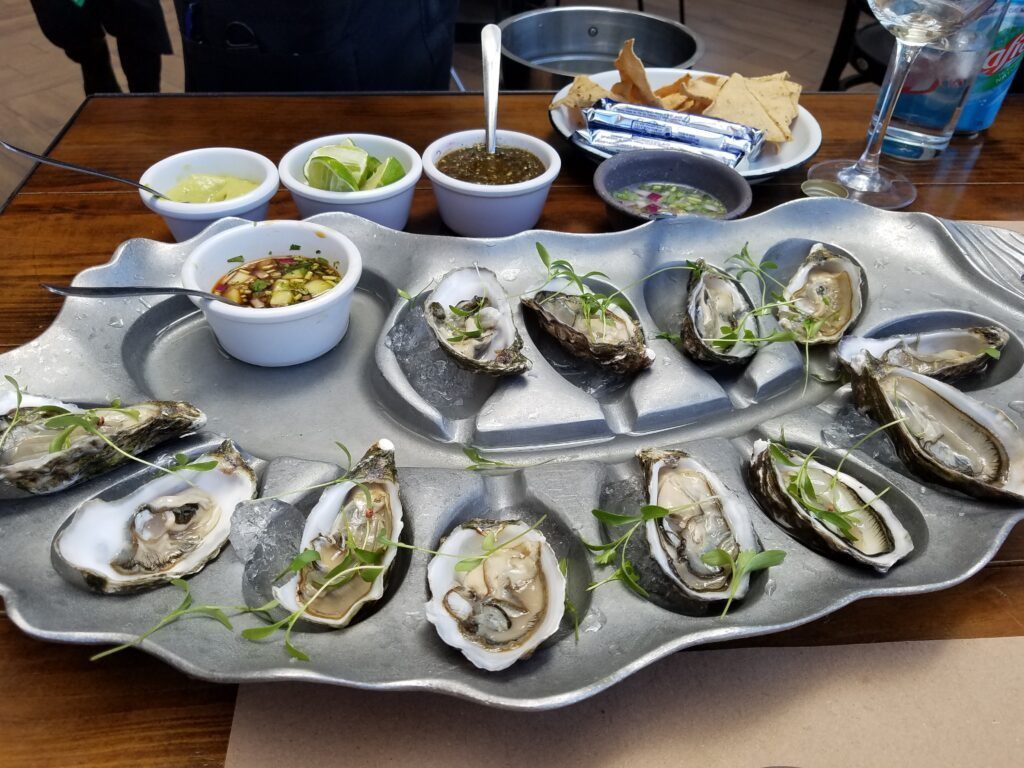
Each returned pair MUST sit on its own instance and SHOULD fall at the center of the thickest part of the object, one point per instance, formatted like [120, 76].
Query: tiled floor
[40, 88]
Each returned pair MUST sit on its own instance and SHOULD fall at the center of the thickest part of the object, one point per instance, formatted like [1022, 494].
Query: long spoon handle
[490, 44]
[79, 168]
[112, 291]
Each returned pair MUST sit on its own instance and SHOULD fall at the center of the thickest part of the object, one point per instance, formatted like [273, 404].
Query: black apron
[316, 45]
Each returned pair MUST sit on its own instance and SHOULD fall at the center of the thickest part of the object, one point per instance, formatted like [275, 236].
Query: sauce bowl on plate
[186, 220]
[275, 336]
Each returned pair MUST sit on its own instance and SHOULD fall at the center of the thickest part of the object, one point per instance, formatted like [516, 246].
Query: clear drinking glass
[915, 24]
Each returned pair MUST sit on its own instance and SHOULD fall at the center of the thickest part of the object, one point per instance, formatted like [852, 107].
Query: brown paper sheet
[934, 703]
[938, 703]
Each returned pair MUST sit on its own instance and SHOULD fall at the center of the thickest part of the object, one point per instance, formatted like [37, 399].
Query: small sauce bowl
[666, 165]
[490, 210]
[275, 336]
[387, 205]
[186, 220]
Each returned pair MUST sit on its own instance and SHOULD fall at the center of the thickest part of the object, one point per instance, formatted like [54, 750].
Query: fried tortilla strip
[680, 102]
[583, 92]
[735, 102]
[673, 88]
[633, 76]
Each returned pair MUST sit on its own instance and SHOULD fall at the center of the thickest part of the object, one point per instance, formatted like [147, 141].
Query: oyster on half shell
[344, 528]
[947, 354]
[874, 535]
[705, 515]
[169, 527]
[612, 339]
[34, 460]
[716, 300]
[470, 315]
[827, 292]
[498, 611]
[941, 433]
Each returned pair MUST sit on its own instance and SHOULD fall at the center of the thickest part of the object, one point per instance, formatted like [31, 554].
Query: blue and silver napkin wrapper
[610, 143]
[614, 127]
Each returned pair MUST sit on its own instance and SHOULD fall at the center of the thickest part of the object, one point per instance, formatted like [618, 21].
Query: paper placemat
[932, 703]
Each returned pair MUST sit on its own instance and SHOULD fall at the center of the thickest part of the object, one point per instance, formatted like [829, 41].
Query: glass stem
[902, 60]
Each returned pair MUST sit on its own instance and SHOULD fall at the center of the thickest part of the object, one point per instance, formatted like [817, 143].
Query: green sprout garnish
[405, 295]
[345, 477]
[994, 352]
[186, 608]
[606, 553]
[17, 410]
[747, 561]
[570, 607]
[479, 462]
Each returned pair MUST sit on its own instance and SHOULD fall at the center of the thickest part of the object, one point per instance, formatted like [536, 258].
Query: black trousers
[316, 45]
[138, 26]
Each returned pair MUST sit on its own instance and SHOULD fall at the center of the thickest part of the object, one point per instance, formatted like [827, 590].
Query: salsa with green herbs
[277, 281]
[508, 165]
[659, 198]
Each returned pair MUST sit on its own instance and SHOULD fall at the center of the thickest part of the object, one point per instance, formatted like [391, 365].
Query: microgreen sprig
[479, 462]
[345, 477]
[16, 417]
[362, 563]
[606, 553]
[747, 561]
[570, 607]
[185, 608]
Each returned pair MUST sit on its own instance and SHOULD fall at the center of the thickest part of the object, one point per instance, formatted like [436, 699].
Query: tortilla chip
[706, 87]
[735, 102]
[632, 74]
[680, 102]
[583, 92]
[671, 88]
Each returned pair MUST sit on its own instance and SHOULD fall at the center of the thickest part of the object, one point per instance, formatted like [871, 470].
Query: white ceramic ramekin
[387, 205]
[188, 219]
[275, 336]
[490, 210]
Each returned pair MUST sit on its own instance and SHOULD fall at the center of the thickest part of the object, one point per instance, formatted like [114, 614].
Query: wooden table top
[60, 709]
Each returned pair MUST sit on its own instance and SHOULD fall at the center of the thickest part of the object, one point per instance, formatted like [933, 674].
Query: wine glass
[915, 24]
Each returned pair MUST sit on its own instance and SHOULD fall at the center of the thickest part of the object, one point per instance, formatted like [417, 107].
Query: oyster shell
[342, 521]
[876, 537]
[163, 530]
[706, 516]
[470, 315]
[613, 340]
[27, 462]
[942, 434]
[501, 610]
[828, 290]
[714, 300]
[947, 354]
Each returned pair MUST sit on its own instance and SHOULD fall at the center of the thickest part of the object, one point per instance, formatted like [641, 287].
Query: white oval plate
[774, 158]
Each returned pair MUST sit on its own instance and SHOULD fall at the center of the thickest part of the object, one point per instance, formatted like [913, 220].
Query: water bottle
[996, 74]
[930, 102]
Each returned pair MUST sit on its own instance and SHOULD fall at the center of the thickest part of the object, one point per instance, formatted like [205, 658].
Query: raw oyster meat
[780, 480]
[947, 354]
[28, 463]
[470, 315]
[828, 293]
[501, 609]
[705, 516]
[941, 433]
[345, 528]
[612, 339]
[169, 527]
[716, 300]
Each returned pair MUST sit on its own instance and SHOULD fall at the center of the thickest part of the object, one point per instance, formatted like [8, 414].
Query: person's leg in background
[78, 31]
[142, 38]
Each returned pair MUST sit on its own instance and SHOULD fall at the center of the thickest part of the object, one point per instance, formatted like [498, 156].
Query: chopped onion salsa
[277, 281]
[508, 165]
[653, 198]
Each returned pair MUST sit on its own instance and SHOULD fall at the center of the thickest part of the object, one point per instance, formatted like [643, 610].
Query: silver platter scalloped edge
[934, 272]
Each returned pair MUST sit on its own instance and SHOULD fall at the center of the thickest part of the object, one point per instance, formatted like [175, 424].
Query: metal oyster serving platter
[922, 274]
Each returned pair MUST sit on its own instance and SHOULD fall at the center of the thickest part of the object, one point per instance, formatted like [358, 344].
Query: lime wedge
[388, 172]
[351, 157]
[331, 175]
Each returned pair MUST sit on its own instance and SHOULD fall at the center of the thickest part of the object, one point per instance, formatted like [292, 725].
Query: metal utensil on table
[490, 44]
[79, 168]
[114, 291]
